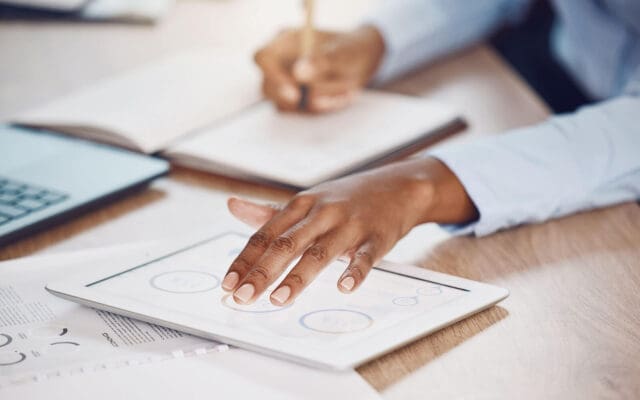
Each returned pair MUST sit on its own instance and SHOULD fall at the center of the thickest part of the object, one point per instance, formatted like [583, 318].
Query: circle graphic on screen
[432, 290]
[260, 306]
[5, 339]
[405, 301]
[336, 321]
[11, 358]
[185, 282]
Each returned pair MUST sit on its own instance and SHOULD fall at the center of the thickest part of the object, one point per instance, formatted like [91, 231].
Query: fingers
[323, 96]
[278, 85]
[317, 236]
[285, 97]
[315, 258]
[252, 214]
[280, 253]
[327, 63]
[361, 263]
[260, 241]
[330, 96]
[330, 89]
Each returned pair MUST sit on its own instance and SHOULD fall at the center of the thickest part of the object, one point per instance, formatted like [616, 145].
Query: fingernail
[289, 93]
[245, 293]
[238, 202]
[281, 295]
[230, 281]
[347, 283]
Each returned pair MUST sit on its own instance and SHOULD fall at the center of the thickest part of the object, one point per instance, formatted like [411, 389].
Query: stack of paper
[54, 349]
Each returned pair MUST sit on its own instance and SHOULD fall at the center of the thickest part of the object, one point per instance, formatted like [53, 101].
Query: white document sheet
[51, 348]
[148, 108]
[42, 337]
[302, 150]
[234, 374]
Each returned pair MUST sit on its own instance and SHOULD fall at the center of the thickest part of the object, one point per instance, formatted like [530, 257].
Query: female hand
[340, 65]
[361, 216]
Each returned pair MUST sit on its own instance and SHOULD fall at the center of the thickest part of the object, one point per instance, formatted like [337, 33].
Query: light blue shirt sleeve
[572, 162]
[418, 31]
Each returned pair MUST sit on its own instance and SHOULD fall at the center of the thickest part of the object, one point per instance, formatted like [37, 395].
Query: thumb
[252, 214]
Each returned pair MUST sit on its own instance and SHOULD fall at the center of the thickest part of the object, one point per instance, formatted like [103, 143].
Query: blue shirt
[572, 162]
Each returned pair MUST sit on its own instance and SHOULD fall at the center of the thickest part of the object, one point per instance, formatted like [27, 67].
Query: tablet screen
[188, 282]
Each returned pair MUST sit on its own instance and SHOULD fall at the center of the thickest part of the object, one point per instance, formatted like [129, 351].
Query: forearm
[570, 163]
[418, 31]
[449, 202]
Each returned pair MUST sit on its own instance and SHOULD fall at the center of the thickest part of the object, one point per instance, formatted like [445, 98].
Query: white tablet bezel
[479, 297]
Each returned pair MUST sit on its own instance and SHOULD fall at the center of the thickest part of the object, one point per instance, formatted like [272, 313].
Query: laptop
[46, 177]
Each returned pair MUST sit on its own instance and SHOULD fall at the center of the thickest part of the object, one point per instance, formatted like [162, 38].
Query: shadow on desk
[233, 186]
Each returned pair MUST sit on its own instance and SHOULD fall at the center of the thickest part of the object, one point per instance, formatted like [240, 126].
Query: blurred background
[78, 47]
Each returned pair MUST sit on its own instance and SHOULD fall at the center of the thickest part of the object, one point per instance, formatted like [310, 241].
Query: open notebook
[298, 150]
[150, 107]
[203, 109]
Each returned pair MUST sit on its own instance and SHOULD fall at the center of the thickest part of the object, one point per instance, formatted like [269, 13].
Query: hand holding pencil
[306, 52]
[310, 70]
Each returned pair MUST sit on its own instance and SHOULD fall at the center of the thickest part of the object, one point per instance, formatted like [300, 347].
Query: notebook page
[302, 150]
[148, 108]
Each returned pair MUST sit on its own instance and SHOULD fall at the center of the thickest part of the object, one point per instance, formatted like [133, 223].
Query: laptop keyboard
[18, 199]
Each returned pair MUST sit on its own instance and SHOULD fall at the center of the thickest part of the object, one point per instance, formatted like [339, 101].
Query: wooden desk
[570, 328]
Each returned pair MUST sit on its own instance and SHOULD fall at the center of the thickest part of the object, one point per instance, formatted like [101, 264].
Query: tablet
[323, 327]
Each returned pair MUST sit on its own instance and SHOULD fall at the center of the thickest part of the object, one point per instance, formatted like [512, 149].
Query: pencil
[306, 47]
[307, 32]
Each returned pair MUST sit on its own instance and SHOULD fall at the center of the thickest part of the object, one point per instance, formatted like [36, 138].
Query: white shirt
[573, 162]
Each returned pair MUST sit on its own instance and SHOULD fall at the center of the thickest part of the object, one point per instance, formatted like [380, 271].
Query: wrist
[446, 198]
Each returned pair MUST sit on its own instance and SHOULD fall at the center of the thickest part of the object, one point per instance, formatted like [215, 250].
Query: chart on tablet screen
[188, 282]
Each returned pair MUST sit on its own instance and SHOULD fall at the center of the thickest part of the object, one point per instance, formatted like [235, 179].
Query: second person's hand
[341, 64]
